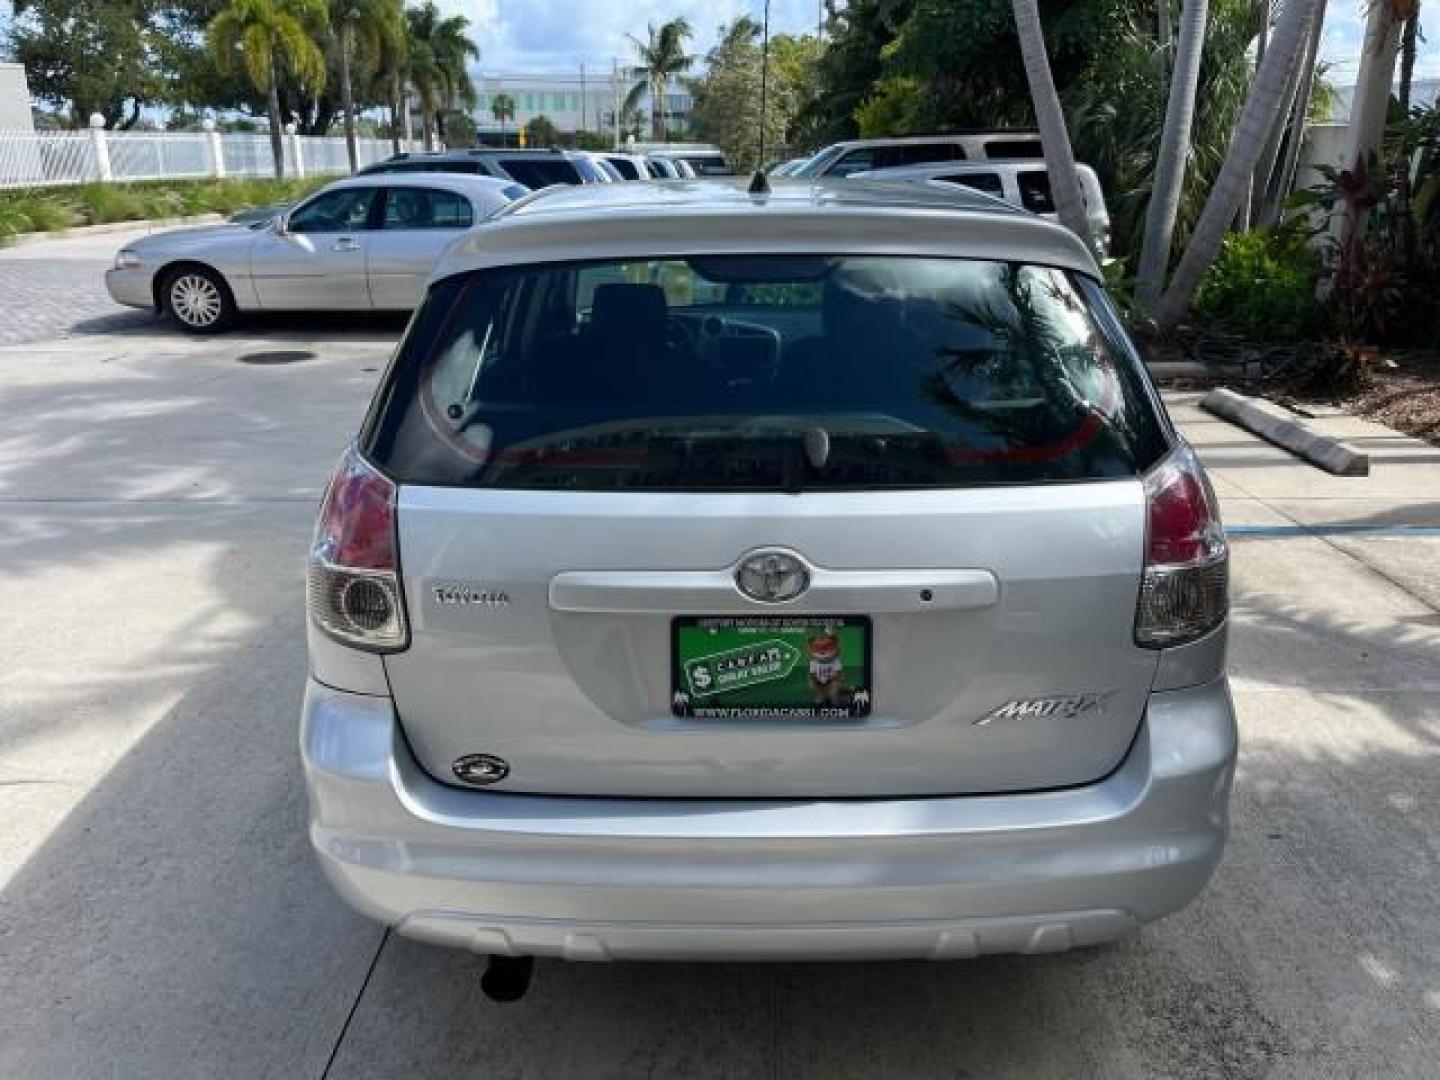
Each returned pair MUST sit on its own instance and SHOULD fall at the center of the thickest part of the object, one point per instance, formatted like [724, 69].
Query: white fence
[33, 158]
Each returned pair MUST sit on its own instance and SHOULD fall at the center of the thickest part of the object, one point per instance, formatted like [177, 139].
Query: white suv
[809, 572]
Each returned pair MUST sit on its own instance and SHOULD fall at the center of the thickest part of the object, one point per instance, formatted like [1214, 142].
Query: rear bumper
[597, 879]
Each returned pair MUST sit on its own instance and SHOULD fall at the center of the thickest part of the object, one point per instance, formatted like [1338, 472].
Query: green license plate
[771, 667]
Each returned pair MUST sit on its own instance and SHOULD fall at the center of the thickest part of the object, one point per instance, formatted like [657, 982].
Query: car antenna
[759, 184]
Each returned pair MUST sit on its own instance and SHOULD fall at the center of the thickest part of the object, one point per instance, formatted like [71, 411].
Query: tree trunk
[1164, 31]
[1372, 96]
[395, 106]
[1261, 184]
[1409, 44]
[1247, 200]
[657, 111]
[1261, 106]
[1174, 151]
[277, 131]
[1285, 181]
[347, 96]
[1054, 138]
[427, 120]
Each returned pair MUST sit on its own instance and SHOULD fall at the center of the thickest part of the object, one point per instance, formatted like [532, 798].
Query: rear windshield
[764, 373]
[538, 173]
[446, 166]
[708, 164]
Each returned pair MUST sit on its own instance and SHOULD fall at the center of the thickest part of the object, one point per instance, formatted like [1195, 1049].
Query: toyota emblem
[772, 577]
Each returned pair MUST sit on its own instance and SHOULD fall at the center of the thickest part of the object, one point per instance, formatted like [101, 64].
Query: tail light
[353, 585]
[1183, 595]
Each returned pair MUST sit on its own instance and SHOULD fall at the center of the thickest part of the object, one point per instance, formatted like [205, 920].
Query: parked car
[361, 244]
[702, 158]
[787, 168]
[663, 168]
[533, 168]
[630, 166]
[1023, 183]
[767, 576]
[603, 163]
[862, 155]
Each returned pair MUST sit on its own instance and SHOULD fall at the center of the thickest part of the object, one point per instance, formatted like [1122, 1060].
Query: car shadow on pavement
[325, 324]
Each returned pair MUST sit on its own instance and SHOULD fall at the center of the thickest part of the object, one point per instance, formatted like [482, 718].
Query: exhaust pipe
[507, 978]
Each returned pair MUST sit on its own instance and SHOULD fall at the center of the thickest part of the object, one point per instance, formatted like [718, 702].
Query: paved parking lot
[160, 915]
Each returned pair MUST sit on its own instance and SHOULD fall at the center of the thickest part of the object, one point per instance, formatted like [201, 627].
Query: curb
[1288, 431]
[25, 238]
[1181, 369]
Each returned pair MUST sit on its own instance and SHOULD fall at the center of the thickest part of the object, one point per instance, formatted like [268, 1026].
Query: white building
[15, 99]
[580, 101]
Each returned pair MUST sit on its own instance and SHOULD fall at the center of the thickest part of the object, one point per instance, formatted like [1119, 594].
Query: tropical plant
[440, 50]
[262, 36]
[1116, 111]
[1174, 150]
[661, 56]
[374, 27]
[859, 35]
[726, 105]
[1256, 119]
[1054, 137]
[1262, 285]
[502, 108]
[541, 131]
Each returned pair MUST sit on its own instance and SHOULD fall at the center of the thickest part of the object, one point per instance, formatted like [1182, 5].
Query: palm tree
[1054, 138]
[440, 50]
[1174, 151]
[662, 55]
[1284, 179]
[1409, 46]
[393, 73]
[1256, 119]
[261, 36]
[375, 27]
[502, 108]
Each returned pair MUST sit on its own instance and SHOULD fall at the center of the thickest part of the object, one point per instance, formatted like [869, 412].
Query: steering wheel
[679, 337]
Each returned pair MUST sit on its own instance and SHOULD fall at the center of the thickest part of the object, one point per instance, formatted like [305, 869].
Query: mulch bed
[1402, 392]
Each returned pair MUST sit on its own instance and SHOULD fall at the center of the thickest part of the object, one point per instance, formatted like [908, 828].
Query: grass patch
[46, 209]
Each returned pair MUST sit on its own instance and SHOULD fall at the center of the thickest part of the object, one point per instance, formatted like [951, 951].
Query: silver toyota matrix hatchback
[796, 573]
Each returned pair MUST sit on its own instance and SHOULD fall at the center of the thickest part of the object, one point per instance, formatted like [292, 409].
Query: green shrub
[1262, 286]
[48, 209]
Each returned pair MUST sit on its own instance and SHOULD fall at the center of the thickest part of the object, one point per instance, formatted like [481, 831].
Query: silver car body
[1013, 181]
[975, 812]
[270, 269]
[863, 155]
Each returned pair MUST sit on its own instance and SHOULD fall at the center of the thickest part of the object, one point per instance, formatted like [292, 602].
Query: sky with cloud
[558, 35]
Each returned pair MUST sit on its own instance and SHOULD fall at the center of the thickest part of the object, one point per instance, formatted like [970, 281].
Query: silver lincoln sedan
[360, 244]
[753, 573]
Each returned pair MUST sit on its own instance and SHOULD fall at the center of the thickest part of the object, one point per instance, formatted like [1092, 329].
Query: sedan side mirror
[281, 225]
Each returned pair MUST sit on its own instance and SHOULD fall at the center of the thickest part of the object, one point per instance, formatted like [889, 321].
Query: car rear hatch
[769, 527]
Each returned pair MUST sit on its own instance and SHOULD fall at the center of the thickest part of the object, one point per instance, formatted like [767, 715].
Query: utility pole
[584, 100]
[764, 81]
[615, 87]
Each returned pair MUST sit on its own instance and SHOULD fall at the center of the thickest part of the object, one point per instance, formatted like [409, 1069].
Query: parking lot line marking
[1365, 531]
